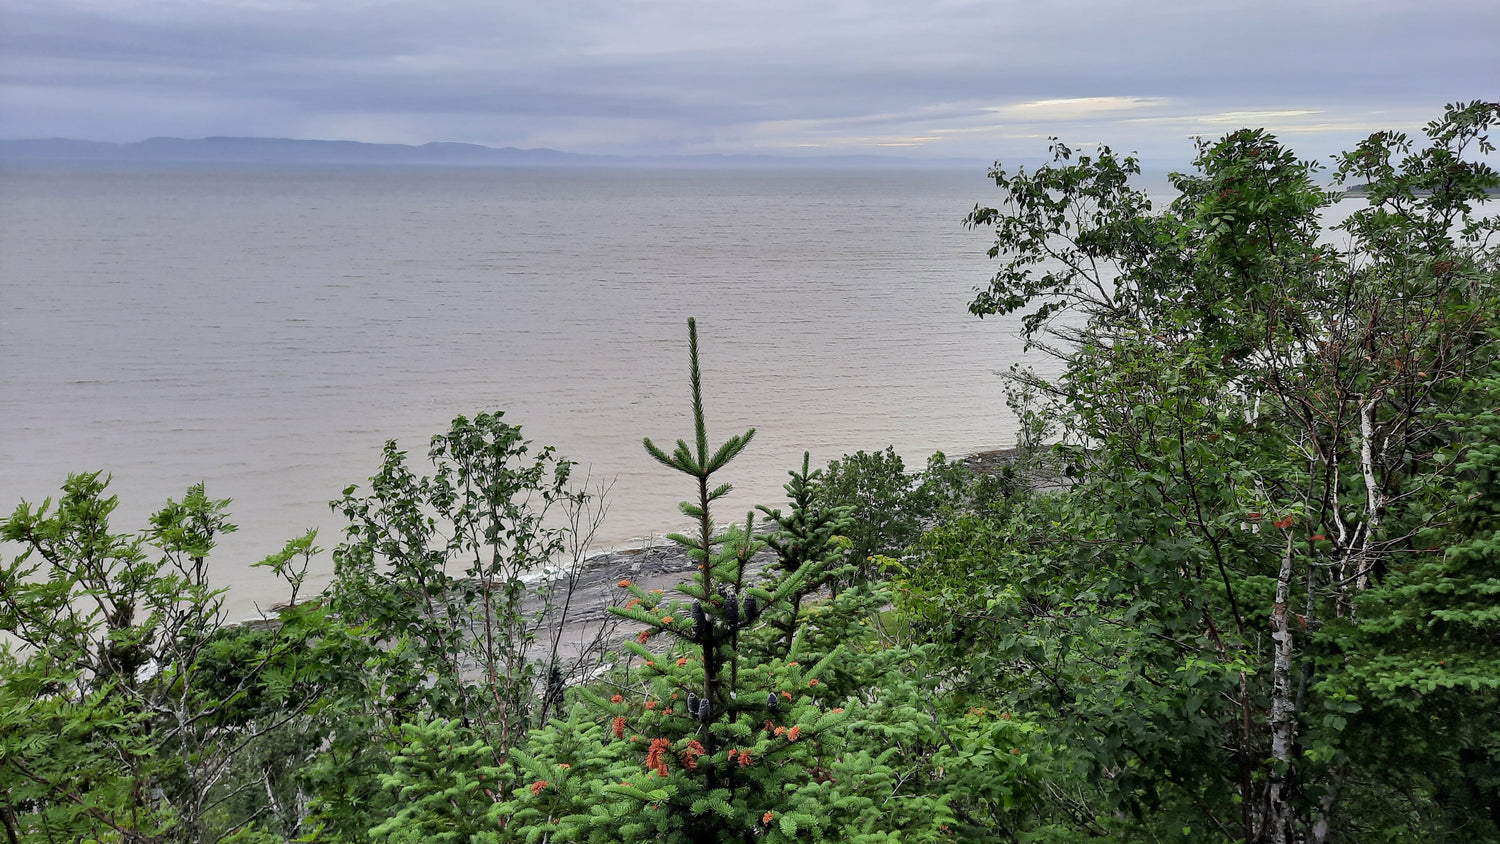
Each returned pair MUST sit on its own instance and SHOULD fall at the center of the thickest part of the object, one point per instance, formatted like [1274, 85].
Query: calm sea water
[265, 331]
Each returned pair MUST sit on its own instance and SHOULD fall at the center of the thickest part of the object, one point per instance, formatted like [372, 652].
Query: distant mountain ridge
[274, 150]
[295, 151]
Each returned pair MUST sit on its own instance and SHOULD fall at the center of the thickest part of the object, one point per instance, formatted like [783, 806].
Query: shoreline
[654, 562]
[653, 555]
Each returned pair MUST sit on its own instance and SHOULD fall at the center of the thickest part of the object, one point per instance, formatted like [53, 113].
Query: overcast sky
[936, 78]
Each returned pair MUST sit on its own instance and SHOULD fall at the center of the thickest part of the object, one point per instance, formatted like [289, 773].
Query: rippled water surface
[266, 330]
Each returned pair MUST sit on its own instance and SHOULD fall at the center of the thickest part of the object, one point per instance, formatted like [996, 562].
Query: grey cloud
[703, 70]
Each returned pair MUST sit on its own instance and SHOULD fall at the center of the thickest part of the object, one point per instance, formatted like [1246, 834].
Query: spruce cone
[700, 623]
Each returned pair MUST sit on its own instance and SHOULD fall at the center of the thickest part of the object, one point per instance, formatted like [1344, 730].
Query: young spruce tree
[708, 739]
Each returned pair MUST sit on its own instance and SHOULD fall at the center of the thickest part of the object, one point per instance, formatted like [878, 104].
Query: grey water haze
[265, 329]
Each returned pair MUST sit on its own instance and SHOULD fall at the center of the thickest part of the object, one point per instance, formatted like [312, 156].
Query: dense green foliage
[1260, 604]
[889, 507]
[1241, 619]
[129, 708]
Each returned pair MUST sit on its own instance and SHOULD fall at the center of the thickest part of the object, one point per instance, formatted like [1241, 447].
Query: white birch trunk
[1374, 500]
[1283, 709]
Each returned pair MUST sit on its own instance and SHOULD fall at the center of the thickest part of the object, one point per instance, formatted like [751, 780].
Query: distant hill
[277, 151]
[292, 151]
